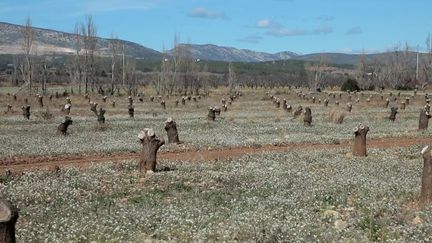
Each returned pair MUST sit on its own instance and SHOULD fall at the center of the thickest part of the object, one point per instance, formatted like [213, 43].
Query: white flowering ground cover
[249, 121]
[298, 196]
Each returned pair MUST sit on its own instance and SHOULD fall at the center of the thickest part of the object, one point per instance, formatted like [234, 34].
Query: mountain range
[48, 41]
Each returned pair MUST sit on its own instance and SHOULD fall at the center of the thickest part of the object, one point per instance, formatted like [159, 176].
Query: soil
[19, 164]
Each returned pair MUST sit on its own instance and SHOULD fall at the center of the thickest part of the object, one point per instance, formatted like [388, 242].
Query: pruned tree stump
[307, 118]
[393, 112]
[211, 116]
[63, 127]
[424, 118]
[101, 116]
[426, 181]
[131, 111]
[8, 219]
[26, 111]
[150, 146]
[93, 107]
[171, 129]
[359, 146]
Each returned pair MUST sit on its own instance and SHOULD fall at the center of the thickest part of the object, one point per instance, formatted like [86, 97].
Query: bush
[350, 85]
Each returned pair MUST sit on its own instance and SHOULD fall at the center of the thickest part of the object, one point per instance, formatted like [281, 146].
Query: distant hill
[60, 43]
[57, 42]
[230, 54]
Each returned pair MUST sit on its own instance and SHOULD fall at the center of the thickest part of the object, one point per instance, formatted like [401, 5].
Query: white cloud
[205, 13]
[281, 32]
[252, 39]
[355, 31]
[322, 30]
[263, 23]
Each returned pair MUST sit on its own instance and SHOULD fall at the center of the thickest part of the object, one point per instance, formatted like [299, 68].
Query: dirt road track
[27, 163]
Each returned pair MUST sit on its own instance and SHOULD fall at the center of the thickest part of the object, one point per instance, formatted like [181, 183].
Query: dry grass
[337, 115]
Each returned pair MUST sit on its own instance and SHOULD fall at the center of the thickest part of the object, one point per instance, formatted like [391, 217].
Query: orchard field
[254, 174]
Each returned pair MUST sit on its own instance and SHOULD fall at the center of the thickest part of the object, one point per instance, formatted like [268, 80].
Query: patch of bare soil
[19, 164]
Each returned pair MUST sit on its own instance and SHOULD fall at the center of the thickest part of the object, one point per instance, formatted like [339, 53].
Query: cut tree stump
[359, 146]
[150, 146]
[63, 127]
[426, 181]
[171, 129]
[424, 118]
[8, 219]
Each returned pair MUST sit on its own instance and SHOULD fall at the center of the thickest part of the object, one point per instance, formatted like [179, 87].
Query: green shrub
[350, 85]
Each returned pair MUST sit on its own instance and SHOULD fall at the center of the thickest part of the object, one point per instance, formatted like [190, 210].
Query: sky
[301, 26]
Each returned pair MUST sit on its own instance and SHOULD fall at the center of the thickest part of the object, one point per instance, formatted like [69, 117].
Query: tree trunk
[62, 128]
[426, 182]
[8, 219]
[211, 115]
[101, 116]
[393, 112]
[171, 129]
[359, 146]
[424, 119]
[131, 111]
[307, 119]
[26, 111]
[150, 145]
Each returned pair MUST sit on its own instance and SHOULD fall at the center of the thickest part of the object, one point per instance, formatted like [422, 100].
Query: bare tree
[232, 79]
[177, 62]
[27, 47]
[89, 33]
[425, 71]
[161, 83]
[316, 73]
[115, 47]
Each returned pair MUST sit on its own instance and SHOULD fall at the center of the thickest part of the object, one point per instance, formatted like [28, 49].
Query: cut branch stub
[150, 145]
[424, 118]
[8, 219]
[426, 181]
[171, 129]
[359, 146]
[62, 128]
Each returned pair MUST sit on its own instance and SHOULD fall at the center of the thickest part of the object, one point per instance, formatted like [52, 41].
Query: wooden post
[8, 219]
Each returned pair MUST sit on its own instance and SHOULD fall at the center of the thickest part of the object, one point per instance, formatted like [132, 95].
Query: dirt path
[19, 164]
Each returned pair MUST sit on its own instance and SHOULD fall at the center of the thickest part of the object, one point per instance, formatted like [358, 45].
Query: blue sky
[302, 26]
